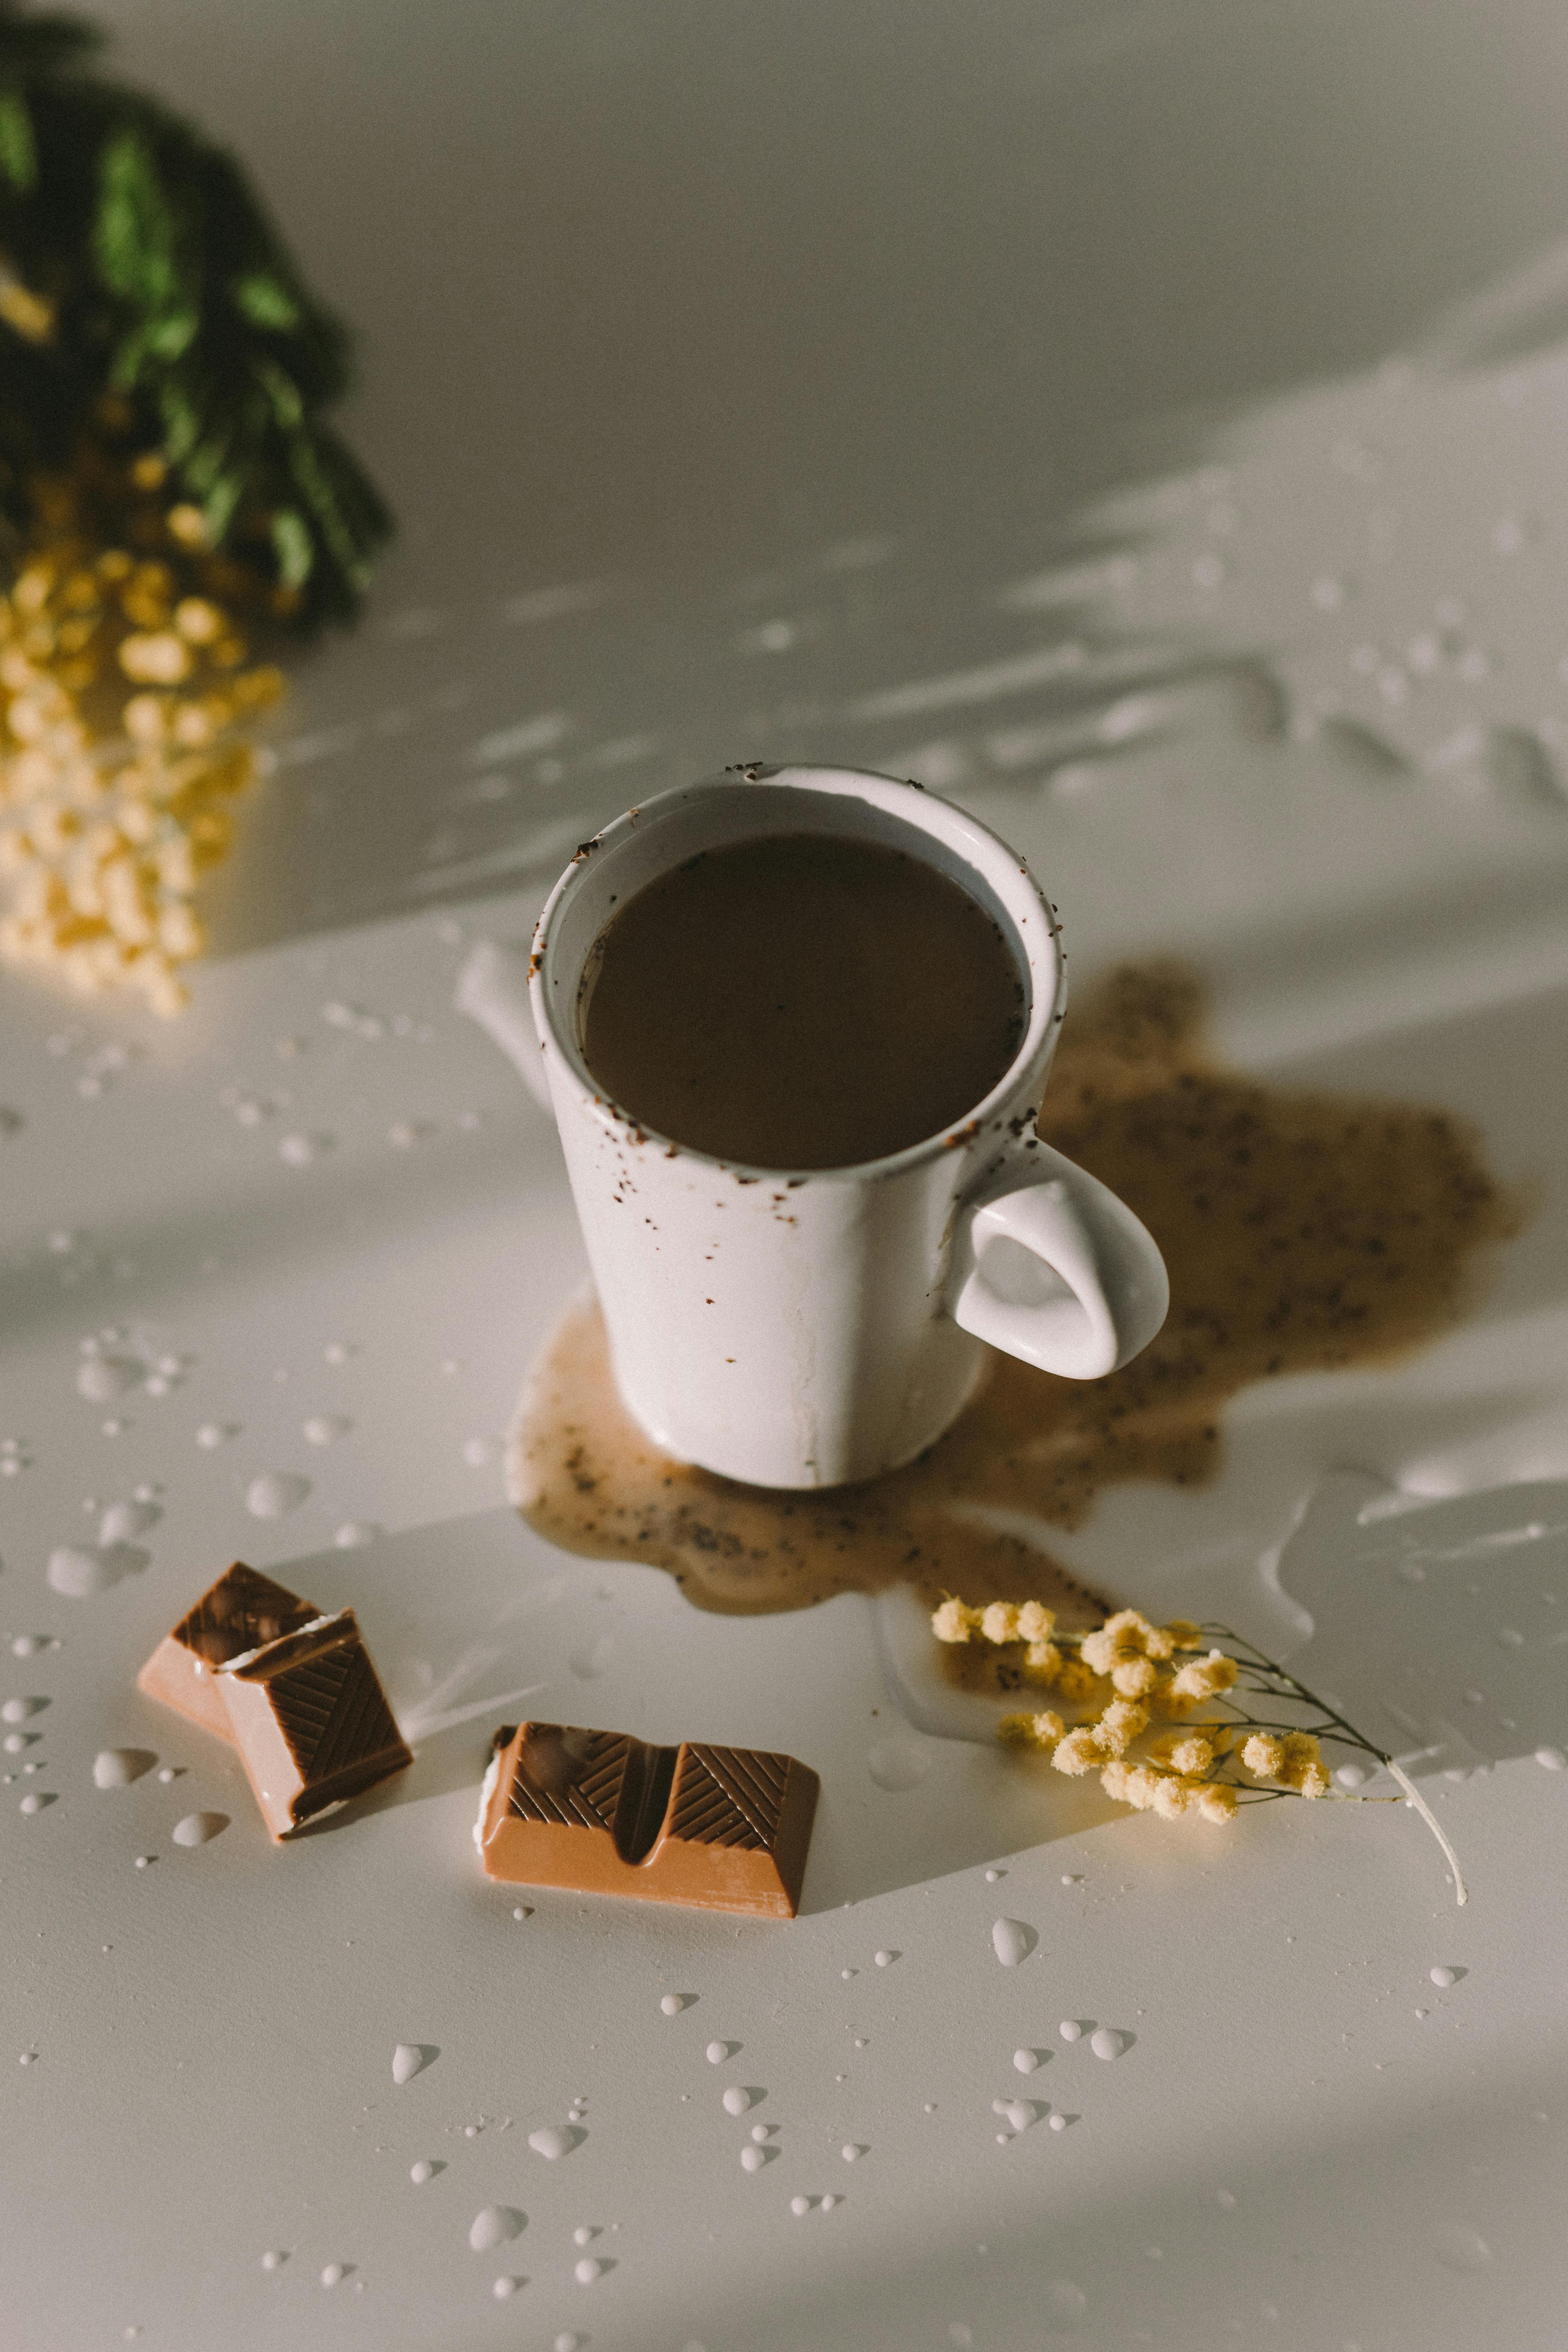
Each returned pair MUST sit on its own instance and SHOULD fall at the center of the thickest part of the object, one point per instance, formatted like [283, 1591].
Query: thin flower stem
[1461, 1893]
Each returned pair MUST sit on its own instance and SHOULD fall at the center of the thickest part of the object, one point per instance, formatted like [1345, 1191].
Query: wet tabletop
[1144, 425]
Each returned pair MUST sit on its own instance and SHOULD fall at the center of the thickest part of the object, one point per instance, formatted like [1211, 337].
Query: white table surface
[812, 381]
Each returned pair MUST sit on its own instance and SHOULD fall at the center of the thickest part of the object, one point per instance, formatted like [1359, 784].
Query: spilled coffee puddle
[1303, 1233]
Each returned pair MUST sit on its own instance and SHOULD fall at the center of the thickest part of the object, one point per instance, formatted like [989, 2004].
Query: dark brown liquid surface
[801, 1001]
[1304, 1232]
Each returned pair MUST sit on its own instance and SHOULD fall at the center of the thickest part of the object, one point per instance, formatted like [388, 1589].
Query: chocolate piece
[726, 1828]
[241, 1611]
[310, 1721]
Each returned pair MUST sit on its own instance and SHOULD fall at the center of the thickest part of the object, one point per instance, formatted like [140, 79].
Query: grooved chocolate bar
[243, 1610]
[310, 1720]
[724, 1828]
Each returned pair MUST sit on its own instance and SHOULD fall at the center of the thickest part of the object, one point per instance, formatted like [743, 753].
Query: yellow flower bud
[159, 659]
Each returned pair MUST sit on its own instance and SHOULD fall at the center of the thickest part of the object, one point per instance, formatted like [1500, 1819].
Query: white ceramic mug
[808, 1328]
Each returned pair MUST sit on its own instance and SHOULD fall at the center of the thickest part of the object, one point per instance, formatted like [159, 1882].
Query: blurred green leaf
[293, 546]
[218, 505]
[266, 301]
[135, 235]
[18, 149]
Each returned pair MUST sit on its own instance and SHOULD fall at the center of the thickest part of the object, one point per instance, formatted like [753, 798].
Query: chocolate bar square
[310, 1720]
[723, 1828]
[243, 1610]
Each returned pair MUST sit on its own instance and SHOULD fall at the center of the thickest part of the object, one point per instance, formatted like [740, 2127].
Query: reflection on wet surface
[1304, 1232]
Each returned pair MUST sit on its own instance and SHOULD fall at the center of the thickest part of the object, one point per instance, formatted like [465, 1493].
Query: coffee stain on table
[1303, 1232]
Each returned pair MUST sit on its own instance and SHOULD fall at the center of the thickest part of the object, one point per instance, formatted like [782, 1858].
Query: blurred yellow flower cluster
[1125, 1674]
[113, 802]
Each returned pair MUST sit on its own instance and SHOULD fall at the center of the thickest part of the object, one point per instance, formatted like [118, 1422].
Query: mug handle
[1057, 1271]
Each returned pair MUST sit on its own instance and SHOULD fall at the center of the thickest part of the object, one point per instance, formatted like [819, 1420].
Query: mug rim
[1003, 868]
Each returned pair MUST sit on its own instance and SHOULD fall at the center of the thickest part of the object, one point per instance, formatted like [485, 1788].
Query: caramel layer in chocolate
[724, 1828]
[243, 1610]
[310, 1720]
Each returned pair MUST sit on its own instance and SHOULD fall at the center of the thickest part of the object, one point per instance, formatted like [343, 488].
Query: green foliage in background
[147, 302]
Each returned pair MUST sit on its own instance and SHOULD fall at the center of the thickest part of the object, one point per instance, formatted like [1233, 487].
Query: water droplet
[554, 2140]
[1019, 2112]
[673, 2003]
[1058, 2123]
[299, 1151]
[898, 1764]
[275, 1494]
[588, 2269]
[1013, 1940]
[717, 2052]
[273, 2259]
[567, 2342]
[1443, 1978]
[493, 2225]
[143, 1860]
[582, 2235]
[17, 1710]
[799, 2205]
[210, 1436]
[199, 1828]
[1550, 1760]
[752, 2159]
[333, 2275]
[421, 2172]
[851, 2152]
[168, 1774]
[1065, 2305]
[123, 1521]
[830, 2201]
[737, 2100]
[1106, 2043]
[885, 1959]
[1461, 2248]
[478, 1452]
[77, 1574]
[411, 2058]
[116, 1768]
[35, 1801]
[99, 1378]
[1070, 2030]
[1025, 2061]
[16, 1741]
[504, 2287]
[355, 1532]
[27, 1646]
[1351, 1776]
[991, 1876]
[1225, 2199]
[522, 1911]
[322, 1427]
[28, 2058]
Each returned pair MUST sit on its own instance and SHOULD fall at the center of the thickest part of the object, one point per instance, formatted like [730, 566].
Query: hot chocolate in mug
[809, 1326]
